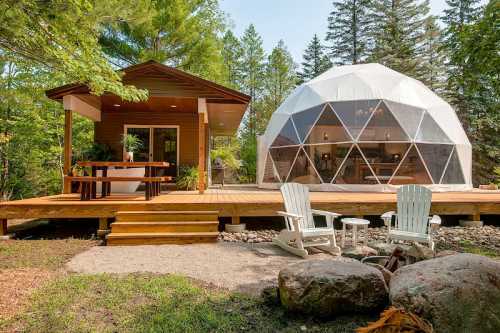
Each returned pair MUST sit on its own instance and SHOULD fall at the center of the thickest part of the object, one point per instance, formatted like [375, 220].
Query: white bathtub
[123, 187]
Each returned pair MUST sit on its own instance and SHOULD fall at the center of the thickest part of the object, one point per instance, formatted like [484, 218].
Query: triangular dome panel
[283, 159]
[354, 114]
[453, 173]
[287, 136]
[409, 117]
[355, 170]
[327, 159]
[303, 171]
[384, 158]
[411, 170]
[305, 120]
[270, 173]
[435, 157]
[328, 129]
[383, 126]
[430, 131]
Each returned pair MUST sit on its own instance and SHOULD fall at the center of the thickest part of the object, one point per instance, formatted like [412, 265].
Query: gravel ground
[239, 267]
[487, 237]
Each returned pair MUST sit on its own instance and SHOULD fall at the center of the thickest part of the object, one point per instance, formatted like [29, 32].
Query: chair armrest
[290, 215]
[295, 220]
[387, 217]
[330, 216]
[434, 222]
[325, 213]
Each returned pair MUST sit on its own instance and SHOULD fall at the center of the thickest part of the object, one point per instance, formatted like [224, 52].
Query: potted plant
[130, 144]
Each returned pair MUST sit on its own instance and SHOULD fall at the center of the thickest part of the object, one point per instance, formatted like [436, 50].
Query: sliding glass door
[159, 144]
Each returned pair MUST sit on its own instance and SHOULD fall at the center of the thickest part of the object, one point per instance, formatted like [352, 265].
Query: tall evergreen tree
[431, 68]
[252, 83]
[180, 33]
[280, 79]
[456, 17]
[475, 63]
[398, 28]
[231, 54]
[315, 60]
[349, 27]
[253, 72]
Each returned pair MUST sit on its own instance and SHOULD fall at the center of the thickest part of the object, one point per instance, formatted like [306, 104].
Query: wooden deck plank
[242, 203]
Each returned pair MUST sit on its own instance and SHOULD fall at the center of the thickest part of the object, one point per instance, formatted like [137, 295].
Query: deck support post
[235, 220]
[68, 125]
[3, 227]
[202, 125]
[103, 227]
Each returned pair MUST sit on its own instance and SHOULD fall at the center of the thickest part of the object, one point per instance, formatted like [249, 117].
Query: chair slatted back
[414, 204]
[296, 199]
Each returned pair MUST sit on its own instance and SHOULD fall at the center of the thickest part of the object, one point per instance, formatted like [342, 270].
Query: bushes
[188, 178]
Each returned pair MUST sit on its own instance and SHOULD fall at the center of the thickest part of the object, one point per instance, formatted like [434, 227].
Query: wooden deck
[247, 202]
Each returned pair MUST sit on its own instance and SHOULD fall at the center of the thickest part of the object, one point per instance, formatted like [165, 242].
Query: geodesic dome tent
[364, 127]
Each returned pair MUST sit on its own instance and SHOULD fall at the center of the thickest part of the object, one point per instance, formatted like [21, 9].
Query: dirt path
[241, 267]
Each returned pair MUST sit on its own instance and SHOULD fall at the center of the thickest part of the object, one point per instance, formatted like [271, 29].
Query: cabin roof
[198, 86]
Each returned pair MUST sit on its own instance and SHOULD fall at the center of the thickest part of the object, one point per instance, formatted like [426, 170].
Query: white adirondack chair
[300, 228]
[412, 218]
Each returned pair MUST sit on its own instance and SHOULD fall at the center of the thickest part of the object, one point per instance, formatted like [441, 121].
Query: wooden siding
[110, 129]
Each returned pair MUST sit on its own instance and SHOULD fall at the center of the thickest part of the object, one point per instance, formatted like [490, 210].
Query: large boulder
[331, 287]
[456, 293]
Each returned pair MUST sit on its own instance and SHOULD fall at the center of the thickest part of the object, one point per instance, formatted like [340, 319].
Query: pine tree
[349, 27]
[315, 60]
[456, 17]
[231, 55]
[252, 83]
[431, 68]
[253, 72]
[280, 79]
[398, 28]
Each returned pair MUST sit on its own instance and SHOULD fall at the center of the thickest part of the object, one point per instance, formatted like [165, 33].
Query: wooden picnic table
[153, 183]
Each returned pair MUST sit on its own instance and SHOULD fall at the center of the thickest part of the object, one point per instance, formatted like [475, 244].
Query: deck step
[163, 227]
[153, 238]
[165, 216]
[180, 226]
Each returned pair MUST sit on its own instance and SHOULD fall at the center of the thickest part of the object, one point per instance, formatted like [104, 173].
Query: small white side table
[354, 222]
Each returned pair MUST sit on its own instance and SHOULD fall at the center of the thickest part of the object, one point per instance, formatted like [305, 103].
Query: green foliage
[315, 60]
[62, 36]
[232, 54]
[398, 28]
[131, 142]
[476, 88]
[349, 25]
[188, 178]
[98, 152]
[431, 68]
[280, 79]
[180, 33]
[228, 156]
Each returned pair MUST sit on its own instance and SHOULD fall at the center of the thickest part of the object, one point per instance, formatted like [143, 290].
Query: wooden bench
[152, 184]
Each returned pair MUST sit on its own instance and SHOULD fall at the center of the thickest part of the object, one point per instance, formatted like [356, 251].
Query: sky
[294, 21]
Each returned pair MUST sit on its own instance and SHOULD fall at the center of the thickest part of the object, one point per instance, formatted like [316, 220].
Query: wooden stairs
[163, 227]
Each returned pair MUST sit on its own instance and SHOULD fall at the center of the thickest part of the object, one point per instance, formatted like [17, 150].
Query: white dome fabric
[365, 127]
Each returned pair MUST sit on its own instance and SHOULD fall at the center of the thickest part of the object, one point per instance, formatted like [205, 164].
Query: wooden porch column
[68, 125]
[201, 153]
[202, 144]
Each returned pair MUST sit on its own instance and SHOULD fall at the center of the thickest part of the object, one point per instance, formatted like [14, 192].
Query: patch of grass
[469, 247]
[158, 303]
[48, 254]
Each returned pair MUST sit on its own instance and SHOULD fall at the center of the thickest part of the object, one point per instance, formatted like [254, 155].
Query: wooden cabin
[175, 124]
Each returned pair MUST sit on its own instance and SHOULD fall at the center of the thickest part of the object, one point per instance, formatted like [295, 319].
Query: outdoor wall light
[325, 136]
